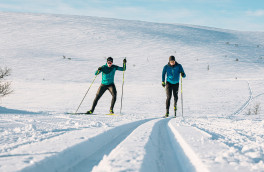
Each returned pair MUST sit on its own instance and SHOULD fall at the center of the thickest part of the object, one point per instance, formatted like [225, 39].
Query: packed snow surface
[53, 60]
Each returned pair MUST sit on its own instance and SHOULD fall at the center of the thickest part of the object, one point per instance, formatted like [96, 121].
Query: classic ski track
[245, 104]
[49, 134]
[187, 156]
[148, 148]
[99, 145]
[258, 96]
[145, 145]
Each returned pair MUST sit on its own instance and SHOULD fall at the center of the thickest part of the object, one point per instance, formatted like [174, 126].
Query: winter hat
[110, 59]
[172, 58]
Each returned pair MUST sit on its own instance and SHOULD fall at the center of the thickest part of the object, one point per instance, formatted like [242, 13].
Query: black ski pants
[101, 91]
[169, 89]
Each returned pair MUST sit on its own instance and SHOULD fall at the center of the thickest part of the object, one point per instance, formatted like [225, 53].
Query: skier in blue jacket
[173, 71]
[108, 74]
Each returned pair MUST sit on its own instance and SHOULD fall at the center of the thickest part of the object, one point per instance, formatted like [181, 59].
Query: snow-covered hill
[53, 59]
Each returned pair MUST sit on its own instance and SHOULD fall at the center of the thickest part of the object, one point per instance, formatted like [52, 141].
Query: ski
[89, 114]
[169, 117]
[79, 113]
[111, 114]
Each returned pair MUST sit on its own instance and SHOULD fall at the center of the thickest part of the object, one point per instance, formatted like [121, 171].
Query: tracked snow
[53, 59]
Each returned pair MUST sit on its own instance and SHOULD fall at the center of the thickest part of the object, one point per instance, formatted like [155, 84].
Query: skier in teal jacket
[173, 71]
[108, 74]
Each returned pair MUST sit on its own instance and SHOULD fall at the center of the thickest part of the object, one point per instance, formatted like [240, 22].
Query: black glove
[100, 68]
[182, 74]
[163, 84]
[124, 61]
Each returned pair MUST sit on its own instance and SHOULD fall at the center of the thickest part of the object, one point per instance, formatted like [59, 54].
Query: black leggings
[101, 91]
[169, 89]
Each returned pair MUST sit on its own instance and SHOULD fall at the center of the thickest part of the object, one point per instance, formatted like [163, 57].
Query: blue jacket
[173, 73]
[108, 73]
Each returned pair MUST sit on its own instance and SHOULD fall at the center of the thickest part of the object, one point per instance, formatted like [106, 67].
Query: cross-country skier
[108, 74]
[173, 71]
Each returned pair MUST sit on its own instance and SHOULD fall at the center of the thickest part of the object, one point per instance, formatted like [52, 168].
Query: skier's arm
[164, 73]
[98, 71]
[121, 68]
[182, 72]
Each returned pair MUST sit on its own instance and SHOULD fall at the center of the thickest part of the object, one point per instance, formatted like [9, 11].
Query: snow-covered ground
[224, 85]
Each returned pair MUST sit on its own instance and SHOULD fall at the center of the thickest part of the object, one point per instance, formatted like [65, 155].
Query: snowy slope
[224, 82]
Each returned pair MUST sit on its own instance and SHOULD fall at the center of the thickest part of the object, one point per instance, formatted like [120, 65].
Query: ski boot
[89, 112]
[111, 111]
[166, 115]
[175, 110]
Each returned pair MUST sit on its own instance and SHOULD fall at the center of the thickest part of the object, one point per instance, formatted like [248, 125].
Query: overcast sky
[246, 15]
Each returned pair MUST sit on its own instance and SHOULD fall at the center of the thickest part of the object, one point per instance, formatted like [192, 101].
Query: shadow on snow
[4, 110]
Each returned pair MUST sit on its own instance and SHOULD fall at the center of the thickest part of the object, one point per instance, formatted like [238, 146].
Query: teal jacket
[173, 73]
[108, 73]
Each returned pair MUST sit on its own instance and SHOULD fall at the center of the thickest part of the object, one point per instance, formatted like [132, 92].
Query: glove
[182, 74]
[100, 68]
[124, 61]
[163, 84]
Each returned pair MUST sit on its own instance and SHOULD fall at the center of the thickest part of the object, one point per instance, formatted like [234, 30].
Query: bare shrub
[4, 73]
[248, 112]
[5, 87]
[256, 109]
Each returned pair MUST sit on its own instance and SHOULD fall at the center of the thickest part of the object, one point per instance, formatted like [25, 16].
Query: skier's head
[109, 61]
[172, 60]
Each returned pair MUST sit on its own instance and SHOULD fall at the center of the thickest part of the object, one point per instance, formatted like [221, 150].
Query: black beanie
[172, 58]
[110, 59]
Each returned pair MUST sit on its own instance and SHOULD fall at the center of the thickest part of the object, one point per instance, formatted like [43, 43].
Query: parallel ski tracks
[147, 148]
[137, 146]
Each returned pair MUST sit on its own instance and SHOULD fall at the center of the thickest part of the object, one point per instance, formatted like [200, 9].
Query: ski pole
[181, 97]
[123, 86]
[87, 92]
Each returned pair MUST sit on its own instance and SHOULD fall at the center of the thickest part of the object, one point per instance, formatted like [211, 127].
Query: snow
[188, 155]
[219, 132]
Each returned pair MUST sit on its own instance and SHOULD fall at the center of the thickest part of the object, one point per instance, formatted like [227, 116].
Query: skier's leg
[113, 92]
[99, 94]
[168, 93]
[175, 89]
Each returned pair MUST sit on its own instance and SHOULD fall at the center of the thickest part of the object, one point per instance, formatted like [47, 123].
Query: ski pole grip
[124, 61]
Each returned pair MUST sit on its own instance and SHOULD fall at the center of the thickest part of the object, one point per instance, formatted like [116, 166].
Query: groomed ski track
[144, 145]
